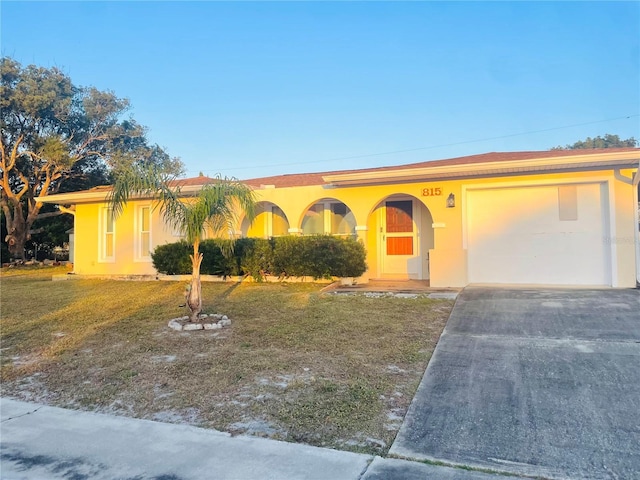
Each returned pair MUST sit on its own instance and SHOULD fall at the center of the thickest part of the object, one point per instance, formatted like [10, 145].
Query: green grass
[295, 364]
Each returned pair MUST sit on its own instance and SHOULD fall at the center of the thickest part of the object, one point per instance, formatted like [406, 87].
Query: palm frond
[142, 182]
[216, 206]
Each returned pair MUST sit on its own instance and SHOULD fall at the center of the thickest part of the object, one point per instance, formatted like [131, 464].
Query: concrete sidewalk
[41, 442]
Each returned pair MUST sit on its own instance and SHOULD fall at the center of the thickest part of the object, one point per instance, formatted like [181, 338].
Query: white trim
[137, 234]
[466, 168]
[104, 213]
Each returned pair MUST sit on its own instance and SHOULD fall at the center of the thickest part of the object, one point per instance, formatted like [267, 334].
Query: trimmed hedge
[318, 256]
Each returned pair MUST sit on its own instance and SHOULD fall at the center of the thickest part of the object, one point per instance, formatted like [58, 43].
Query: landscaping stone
[192, 326]
[214, 321]
[175, 325]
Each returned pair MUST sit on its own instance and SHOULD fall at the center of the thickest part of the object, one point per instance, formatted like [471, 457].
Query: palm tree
[216, 205]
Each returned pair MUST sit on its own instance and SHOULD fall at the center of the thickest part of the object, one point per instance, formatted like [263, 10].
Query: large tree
[607, 141]
[216, 206]
[52, 131]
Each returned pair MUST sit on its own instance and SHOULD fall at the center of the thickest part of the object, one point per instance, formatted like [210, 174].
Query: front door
[400, 257]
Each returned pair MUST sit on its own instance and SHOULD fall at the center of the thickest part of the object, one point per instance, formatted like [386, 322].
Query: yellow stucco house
[566, 217]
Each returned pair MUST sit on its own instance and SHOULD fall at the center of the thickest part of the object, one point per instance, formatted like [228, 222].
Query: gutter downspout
[636, 229]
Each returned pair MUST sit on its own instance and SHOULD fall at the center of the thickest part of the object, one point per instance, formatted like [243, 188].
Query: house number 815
[431, 192]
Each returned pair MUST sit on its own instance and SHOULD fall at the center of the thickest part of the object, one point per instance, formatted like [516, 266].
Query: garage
[538, 234]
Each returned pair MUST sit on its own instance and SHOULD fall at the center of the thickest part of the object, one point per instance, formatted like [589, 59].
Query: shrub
[172, 258]
[214, 260]
[254, 256]
[318, 256]
[350, 260]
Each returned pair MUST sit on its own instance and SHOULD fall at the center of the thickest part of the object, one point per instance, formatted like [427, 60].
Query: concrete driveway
[538, 382]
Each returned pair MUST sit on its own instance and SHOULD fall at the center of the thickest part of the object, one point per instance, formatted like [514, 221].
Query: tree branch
[14, 153]
[40, 216]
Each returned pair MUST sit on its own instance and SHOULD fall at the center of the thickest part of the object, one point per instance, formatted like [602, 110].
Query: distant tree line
[606, 141]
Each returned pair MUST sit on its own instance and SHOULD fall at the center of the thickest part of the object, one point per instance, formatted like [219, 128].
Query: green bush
[214, 260]
[318, 256]
[172, 258]
[349, 260]
[254, 256]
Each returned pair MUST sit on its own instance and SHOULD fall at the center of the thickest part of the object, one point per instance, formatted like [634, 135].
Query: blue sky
[255, 89]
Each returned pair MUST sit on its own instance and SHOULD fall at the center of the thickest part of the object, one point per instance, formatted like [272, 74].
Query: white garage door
[538, 235]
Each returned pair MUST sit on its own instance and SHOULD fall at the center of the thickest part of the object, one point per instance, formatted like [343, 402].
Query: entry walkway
[396, 287]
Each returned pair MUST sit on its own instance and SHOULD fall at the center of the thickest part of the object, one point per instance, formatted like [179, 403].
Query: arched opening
[330, 217]
[270, 221]
[400, 235]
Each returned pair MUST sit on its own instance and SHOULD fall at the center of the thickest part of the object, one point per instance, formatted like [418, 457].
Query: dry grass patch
[296, 364]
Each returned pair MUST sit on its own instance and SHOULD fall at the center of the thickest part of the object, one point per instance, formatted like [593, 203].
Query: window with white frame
[142, 230]
[107, 236]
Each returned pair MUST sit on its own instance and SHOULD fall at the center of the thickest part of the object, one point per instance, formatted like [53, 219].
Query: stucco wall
[442, 234]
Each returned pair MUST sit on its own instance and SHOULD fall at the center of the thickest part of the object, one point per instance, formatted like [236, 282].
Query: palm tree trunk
[194, 300]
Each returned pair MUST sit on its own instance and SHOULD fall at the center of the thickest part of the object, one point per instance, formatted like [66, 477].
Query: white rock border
[214, 321]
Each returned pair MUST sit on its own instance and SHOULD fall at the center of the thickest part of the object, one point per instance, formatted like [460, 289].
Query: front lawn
[297, 365]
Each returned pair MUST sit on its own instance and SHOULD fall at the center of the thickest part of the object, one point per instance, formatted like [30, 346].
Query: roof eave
[103, 195]
[572, 163]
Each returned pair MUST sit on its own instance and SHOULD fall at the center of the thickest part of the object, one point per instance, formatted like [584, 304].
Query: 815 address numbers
[431, 192]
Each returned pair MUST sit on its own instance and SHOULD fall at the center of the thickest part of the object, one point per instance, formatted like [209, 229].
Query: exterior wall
[448, 249]
[442, 235]
[87, 241]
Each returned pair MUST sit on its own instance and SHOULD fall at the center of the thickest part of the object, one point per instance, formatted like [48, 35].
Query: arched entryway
[270, 221]
[400, 232]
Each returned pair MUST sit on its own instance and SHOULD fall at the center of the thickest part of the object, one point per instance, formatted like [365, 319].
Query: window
[400, 216]
[313, 221]
[107, 236]
[143, 233]
[342, 220]
[329, 218]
